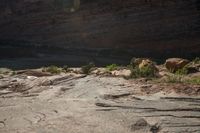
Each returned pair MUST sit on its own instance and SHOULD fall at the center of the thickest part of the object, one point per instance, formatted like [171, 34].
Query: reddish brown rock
[173, 64]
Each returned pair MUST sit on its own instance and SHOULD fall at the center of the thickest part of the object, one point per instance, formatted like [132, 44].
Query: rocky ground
[32, 101]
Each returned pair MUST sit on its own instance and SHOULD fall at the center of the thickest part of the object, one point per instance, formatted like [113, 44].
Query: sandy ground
[74, 103]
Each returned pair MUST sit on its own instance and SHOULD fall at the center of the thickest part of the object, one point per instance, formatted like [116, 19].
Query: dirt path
[91, 104]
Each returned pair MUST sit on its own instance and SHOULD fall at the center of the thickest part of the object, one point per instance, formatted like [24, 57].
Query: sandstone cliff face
[159, 27]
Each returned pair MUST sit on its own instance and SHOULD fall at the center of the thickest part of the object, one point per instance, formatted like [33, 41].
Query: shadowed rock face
[148, 27]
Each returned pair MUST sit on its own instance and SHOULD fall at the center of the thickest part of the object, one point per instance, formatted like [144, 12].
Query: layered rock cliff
[146, 27]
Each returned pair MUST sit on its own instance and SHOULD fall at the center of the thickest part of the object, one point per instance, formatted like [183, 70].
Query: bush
[111, 67]
[87, 68]
[181, 79]
[183, 71]
[195, 80]
[142, 72]
[52, 69]
[175, 79]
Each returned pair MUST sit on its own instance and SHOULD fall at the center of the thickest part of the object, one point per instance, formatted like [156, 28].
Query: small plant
[112, 67]
[52, 69]
[87, 68]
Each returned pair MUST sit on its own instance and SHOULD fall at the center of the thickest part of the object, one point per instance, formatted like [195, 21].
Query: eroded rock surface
[86, 104]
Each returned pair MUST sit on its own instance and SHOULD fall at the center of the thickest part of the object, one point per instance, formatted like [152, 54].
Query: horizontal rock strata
[159, 27]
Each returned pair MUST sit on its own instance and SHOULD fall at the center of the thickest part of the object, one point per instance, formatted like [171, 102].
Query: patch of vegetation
[183, 71]
[195, 80]
[142, 72]
[182, 79]
[112, 67]
[174, 79]
[52, 69]
[87, 68]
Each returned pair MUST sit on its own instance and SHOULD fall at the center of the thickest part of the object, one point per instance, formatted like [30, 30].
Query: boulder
[173, 64]
[140, 124]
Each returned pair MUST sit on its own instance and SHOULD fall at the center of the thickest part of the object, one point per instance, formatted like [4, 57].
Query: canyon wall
[146, 27]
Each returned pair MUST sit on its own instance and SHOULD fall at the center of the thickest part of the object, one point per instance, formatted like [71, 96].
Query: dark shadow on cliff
[23, 55]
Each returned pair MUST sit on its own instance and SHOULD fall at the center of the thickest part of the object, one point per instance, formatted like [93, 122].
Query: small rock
[155, 128]
[173, 64]
[97, 71]
[140, 124]
[75, 70]
[145, 63]
[123, 73]
[31, 77]
[2, 124]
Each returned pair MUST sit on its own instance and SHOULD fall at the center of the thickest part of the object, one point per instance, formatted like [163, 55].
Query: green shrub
[183, 71]
[181, 79]
[175, 79]
[52, 69]
[111, 67]
[195, 80]
[87, 68]
[143, 72]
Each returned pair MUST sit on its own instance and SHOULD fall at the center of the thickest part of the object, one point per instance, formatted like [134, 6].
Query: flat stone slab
[86, 104]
